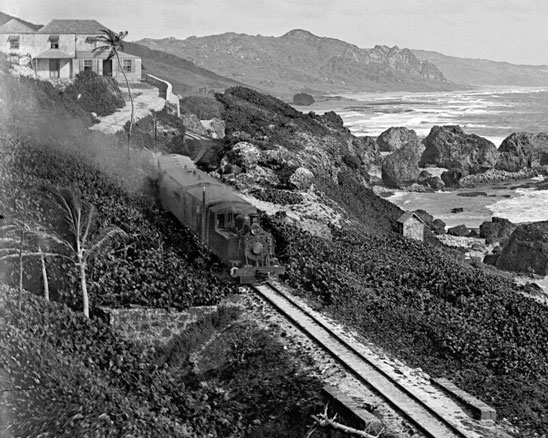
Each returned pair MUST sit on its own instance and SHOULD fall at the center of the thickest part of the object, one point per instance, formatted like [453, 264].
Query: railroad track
[422, 415]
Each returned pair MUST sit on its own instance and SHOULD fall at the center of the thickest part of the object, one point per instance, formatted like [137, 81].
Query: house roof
[408, 215]
[102, 54]
[73, 26]
[53, 54]
[17, 26]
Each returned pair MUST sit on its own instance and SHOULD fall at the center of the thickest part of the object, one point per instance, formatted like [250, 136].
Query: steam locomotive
[228, 225]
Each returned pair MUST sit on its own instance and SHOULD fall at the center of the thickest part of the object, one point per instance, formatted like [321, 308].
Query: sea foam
[529, 205]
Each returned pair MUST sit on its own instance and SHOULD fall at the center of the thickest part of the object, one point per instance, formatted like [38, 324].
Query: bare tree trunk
[131, 101]
[323, 421]
[44, 274]
[83, 284]
[21, 242]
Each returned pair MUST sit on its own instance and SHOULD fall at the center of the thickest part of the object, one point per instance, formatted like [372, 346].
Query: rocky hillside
[485, 72]
[301, 61]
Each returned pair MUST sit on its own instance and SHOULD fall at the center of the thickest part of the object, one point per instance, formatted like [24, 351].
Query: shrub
[96, 93]
[205, 107]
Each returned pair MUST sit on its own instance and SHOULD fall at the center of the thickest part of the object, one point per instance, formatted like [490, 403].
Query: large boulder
[433, 182]
[527, 250]
[452, 177]
[245, 155]
[192, 123]
[366, 149]
[438, 226]
[522, 150]
[395, 138]
[302, 178]
[458, 230]
[303, 99]
[401, 168]
[450, 147]
[496, 230]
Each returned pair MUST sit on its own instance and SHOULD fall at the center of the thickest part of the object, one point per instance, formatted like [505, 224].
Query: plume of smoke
[37, 111]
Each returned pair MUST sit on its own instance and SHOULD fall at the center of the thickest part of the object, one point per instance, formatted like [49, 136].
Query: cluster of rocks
[469, 159]
[526, 250]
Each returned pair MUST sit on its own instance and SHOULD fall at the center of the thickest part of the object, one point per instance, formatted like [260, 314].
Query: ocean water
[493, 113]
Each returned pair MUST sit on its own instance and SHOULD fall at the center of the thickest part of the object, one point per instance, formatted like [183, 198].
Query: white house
[63, 48]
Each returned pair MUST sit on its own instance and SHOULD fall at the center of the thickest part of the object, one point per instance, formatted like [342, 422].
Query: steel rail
[424, 416]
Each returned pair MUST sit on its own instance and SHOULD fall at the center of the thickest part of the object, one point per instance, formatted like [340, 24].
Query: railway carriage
[227, 224]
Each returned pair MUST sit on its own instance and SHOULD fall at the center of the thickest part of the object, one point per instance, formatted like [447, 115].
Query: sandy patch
[311, 215]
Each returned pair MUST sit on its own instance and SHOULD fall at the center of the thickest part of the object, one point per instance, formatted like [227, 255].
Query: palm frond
[41, 236]
[88, 221]
[106, 238]
[72, 206]
[36, 254]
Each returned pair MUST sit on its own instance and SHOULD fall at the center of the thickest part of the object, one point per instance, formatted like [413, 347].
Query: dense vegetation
[160, 132]
[95, 93]
[162, 264]
[67, 376]
[449, 318]
[257, 114]
[204, 107]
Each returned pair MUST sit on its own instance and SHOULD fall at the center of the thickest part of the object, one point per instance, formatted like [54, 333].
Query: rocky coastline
[468, 159]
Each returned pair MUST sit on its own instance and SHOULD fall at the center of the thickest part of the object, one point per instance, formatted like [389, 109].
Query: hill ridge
[300, 60]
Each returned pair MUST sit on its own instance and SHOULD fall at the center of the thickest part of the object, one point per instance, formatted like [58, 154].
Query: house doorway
[54, 68]
[107, 67]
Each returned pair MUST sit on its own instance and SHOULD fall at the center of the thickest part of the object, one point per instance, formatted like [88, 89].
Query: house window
[87, 65]
[127, 65]
[54, 42]
[14, 42]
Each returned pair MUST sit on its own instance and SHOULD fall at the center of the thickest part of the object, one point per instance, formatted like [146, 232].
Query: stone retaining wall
[151, 326]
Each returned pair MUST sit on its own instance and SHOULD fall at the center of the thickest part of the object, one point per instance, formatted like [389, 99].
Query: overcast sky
[502, 30]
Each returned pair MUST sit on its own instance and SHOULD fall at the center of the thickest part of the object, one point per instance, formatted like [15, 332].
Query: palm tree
[77, 243]
[113, 42]
[21, 237]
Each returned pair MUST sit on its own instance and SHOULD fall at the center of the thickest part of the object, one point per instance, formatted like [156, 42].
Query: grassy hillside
[185, 76]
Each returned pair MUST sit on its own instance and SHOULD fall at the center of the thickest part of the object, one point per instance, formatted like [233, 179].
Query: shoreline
[480, 203]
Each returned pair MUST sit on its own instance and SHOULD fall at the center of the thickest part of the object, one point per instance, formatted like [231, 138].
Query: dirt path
[145, 99]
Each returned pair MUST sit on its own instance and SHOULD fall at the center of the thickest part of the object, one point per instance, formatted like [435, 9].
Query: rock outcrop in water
[401, 168]
[496, 230]
[522, 150]
[527, 250]
[395, 138]
[450, 147]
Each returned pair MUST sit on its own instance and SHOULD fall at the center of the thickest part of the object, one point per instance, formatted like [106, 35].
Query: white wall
[42, 68]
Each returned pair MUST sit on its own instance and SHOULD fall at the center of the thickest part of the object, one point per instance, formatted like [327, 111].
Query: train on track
[226, 224]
